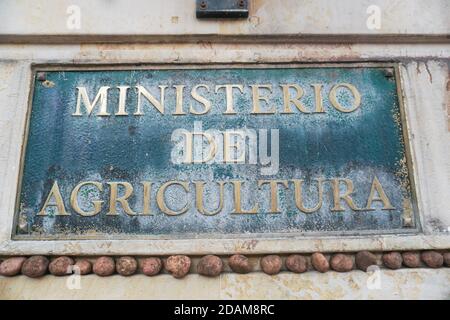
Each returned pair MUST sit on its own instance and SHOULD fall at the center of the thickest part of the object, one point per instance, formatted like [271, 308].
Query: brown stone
[296, 263]
[61, 266]
[210, 266]
[11, 266]
[447, 259]
[126, 266]
[83, 266]
[271, 264]
[432, 259]
[35, 266]
[341, 262]
[392, 260]
[150, 266]
[411, 259]
[239, 263]
[104, 266]
[365, 259]
[320, 262]
[178, 266]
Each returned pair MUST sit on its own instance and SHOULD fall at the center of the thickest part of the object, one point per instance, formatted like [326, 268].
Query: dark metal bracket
[221, 9]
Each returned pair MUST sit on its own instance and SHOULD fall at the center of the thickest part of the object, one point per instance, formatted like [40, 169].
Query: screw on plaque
[221, 9]
[41, 76]
[388, 73]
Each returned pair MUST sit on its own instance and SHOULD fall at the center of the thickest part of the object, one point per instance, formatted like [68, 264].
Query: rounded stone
[104, 266]
[150, 266]
[178, 266]
[411, 259]
[11, 266]
[61, 266]
[447, 259]
[83, 266]
[126, 266]
[432, 259]
[365, 259]
[239, 263]
[296, 263]
[341, 262]
[320, 262]
[35, 266]
[271, 264]
[392, 260]
[210, 266]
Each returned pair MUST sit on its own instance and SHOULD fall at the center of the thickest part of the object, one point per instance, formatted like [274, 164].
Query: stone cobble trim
[211, 266]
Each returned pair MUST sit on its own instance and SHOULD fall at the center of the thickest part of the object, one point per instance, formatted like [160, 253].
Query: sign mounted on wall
[215, 151]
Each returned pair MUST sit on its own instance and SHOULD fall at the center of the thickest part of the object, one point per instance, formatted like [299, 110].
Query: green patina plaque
[208, 151]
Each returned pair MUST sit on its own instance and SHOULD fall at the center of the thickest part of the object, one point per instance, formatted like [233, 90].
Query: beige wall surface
[423, 72]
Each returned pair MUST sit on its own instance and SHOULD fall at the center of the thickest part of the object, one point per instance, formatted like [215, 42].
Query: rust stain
[204, 50]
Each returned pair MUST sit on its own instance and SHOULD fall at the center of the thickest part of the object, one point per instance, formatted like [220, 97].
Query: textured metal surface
[359, 146]
[221, 9]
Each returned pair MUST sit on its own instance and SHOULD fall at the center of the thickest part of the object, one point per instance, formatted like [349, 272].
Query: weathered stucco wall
[399, 284]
